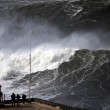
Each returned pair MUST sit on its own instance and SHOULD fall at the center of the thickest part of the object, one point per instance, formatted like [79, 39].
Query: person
[18, 100]
[13, 99]
[1, 96]
[23, 98]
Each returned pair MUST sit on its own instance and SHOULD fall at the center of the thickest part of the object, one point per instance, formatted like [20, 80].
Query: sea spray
[16, 65]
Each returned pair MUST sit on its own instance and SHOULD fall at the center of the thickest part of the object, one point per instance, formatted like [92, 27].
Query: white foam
[42, 59]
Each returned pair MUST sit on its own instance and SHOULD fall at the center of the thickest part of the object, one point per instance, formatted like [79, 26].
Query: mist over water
[49, 46]
[16, 36]
[48, 43]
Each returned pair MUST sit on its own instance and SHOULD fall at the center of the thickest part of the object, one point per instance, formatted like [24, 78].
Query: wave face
[17, 64]
[70, 50]
[83, 81]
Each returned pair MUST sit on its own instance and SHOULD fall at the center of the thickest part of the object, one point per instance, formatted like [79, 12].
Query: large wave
[82, 81]
[61, 70]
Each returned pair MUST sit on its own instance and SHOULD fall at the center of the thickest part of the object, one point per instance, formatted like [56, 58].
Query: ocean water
[70, 51]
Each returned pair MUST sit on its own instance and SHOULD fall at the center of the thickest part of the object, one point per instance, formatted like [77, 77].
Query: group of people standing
[16, 99]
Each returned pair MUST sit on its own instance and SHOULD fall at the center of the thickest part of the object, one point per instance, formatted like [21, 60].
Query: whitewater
[41, 60]
[17, 64]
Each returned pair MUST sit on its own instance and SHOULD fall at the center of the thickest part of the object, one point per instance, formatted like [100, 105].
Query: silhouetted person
[23, 98]
[18, 100]
[1, 94]
[13, 99]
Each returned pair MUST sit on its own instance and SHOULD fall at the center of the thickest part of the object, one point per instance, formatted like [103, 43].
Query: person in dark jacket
[24, 98]
[13, 99]
[1, 94]
[18, 100]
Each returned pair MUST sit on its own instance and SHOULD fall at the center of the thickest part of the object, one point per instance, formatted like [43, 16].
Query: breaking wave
[41, 60]
[61, 71]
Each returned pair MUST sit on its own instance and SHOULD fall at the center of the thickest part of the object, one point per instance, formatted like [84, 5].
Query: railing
[61, 106]
[56, 105]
